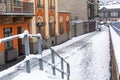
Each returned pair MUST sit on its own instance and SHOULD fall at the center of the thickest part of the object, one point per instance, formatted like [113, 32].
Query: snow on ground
[88, 56]
[92, 62]
[116, 42]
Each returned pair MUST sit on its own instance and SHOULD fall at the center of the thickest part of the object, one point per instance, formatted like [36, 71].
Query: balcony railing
[9, 7]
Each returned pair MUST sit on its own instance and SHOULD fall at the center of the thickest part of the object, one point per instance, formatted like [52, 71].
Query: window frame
[52, 31]
[67, 24]
[114, 14]
[17, 3]
[40, 29]
[52, 4]
[39, 4]
[8, 33]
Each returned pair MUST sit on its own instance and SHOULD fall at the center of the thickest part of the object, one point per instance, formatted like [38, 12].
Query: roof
[111, 6]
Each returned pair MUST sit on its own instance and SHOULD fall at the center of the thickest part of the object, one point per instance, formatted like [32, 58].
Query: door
[20, 46]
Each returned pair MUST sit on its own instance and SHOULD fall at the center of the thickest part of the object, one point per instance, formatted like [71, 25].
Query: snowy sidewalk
[88, 56]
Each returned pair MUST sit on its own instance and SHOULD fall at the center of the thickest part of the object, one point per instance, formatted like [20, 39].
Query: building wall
[64, 5]
[79, 12]
[78, 9]
[62, 37]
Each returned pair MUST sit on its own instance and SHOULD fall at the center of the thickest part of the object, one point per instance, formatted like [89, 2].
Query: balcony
[12, 8]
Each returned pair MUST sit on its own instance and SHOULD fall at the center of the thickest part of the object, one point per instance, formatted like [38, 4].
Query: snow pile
[92, 61]
[101, 58]
[116, 42]
[35, 75]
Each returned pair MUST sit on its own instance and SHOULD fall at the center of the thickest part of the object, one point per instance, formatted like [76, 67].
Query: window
[17, 3]
[2, 6]
[114, 14]
[106, 14]
[39, 3]
[51, 4]
[51, 24]
[40, 27]
[67, 24]
[41, 31]
[61, 25]
[85, 27]
[7, 33]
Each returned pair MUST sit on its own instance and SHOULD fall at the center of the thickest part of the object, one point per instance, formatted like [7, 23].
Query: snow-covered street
[88, 56]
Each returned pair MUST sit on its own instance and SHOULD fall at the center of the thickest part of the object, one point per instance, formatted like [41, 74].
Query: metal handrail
[53, 50]
[25, 35]
[53, 53]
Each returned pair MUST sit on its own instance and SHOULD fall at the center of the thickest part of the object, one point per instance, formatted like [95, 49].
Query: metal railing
[8, 6]
[40, 41]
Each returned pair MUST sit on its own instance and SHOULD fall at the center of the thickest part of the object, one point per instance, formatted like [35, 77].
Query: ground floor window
[67, 26]
[41, 30]
[85, 27]
[7, 33]
[52, 32]
[61, 28]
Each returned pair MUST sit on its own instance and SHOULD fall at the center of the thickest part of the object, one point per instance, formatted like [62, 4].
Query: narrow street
[81, 56]
[85, 64]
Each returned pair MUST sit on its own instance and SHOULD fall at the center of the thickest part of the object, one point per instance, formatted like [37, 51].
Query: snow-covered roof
[111, 6]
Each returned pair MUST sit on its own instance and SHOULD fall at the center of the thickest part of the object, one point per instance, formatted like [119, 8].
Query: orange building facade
[46, 22]
[63, 27]
[15, 16]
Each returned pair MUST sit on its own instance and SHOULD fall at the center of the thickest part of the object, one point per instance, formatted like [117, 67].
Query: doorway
[20, 46]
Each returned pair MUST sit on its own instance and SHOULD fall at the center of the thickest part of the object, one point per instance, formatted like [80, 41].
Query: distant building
[110, 12]
[83, 13]
[92, 13]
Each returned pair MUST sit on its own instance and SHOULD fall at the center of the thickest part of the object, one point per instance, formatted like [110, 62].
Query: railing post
[53, 61]
[62, 68]
[68, 71]
[40, 52]
[27, 52]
